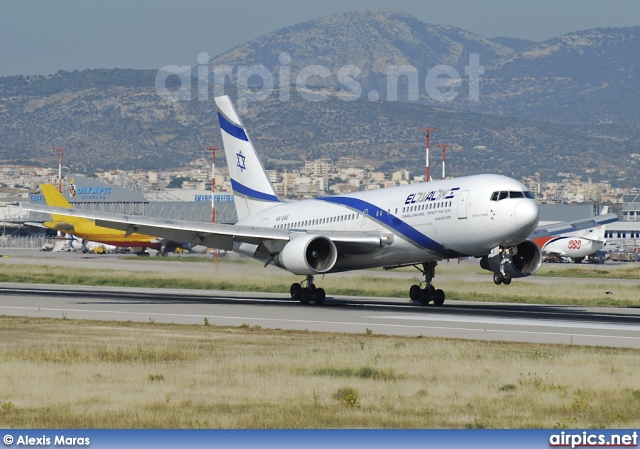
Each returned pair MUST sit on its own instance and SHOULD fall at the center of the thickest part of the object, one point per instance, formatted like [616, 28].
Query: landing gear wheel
[425, 296]
[498, 278]
[296, 291]
[506, 279]
[438, 297]
[319, 296]
[306, 296]
[429, 293]
[414, 293]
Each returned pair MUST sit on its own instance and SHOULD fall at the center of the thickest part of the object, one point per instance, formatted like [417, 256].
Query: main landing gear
[428, 293]
[308, 293]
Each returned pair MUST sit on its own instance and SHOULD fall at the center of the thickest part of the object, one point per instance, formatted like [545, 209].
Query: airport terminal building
[190, 205]
[625, 234]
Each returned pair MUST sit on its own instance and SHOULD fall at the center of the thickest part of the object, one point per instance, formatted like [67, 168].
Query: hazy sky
[39, 37]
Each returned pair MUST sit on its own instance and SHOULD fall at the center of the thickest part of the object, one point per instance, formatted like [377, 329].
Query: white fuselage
[574, 247]
[429, 221]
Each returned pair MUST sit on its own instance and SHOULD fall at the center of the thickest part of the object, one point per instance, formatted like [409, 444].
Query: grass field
[82, 374]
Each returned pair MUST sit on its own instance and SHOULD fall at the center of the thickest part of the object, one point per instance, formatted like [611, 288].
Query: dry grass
[76, 374]
[624, 271]
[564, 293]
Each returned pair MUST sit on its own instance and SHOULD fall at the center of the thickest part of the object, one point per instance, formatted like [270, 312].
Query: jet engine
[308, 255]
[519, 261]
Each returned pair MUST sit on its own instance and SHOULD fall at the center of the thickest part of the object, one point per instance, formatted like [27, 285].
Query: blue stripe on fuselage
[252, 194]
[395, 224]
[231, 128]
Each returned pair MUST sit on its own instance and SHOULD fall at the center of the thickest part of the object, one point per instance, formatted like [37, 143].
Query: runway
[386, 316]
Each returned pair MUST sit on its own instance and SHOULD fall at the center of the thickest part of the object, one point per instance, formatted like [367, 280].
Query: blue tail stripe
[252, 194]
[232, 129]
[394, 223]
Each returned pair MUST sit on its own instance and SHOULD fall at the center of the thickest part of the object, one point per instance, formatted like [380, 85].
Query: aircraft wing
[573, 226]
[218, 235]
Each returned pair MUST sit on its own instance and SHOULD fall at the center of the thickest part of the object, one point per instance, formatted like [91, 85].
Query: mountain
[513, 42]
[588, 77]
[564, 105]
[371, 40]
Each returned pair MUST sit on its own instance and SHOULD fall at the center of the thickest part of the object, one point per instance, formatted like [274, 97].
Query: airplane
[575, 248]
[87, 230]
[576, 239]
[411, 225]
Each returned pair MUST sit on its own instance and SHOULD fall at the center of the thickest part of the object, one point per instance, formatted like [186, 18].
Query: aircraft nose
[527, 214]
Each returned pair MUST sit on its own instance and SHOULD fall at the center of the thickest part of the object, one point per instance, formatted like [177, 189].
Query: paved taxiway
[457, 319]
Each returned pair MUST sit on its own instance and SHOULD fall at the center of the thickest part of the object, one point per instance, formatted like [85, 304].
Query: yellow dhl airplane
[87, 229]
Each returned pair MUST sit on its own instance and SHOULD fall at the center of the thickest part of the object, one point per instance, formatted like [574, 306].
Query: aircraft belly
[398, 253]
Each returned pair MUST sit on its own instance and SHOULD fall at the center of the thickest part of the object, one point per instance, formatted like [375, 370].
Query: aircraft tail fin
[251, 186]
[598, 233]
[54, 198]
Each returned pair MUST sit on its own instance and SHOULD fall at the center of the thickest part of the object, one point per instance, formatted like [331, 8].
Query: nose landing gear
[503, 277]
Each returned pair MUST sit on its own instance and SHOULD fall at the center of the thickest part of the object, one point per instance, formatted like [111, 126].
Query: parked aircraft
[576, 248]
[575, 240]
[87, 230]
[412, 225]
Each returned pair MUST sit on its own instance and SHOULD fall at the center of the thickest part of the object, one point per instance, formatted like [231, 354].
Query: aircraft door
[463, 201]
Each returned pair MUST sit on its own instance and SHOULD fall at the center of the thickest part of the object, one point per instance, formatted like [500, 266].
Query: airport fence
[25, 242]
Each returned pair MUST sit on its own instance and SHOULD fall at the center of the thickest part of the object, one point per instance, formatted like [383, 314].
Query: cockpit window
[497, 196]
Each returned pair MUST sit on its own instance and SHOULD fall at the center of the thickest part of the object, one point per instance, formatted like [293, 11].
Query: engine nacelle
[308, 255]
[525, 260]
